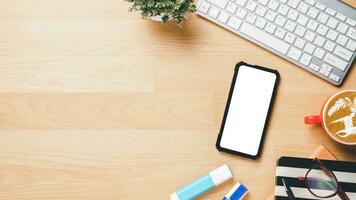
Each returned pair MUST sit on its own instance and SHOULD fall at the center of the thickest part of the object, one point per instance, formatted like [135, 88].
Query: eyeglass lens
[320, 183]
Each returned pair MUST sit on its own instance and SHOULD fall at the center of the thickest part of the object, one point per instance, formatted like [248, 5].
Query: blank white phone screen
[248, 110]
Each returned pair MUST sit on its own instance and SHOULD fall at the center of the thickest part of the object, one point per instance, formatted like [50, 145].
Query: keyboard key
[271, 15]
[332, 23]
[300, 30]
[309, 48]
[219, 3]
[312, 25]
[260, 22]
[329, 46]
[351, 45]
[292, 14]
[231, 8]
[214, 12]
[264, 38]
[311, 2]
[330, 11]
[273, 5]
[290, 37]
[312, 12]
[332, 35]
[342, 28]
[351, 33]
[234, 23]
[341, 40]
[302, 20]
[263, 2]
[322, 18]
[340, 16]
[294, 53]
[204, 7]
[335, 61]
[280, 20]
[251, 18]
[322, 30]
[319, 53]
[334, 77]
[241, 2]
[351, 22]
[310, 36]
[299, 43]
[270, 28]
[324, 72]
[283, 9]
[283, 1]
[343, 53]
[319, 41]
[223, 17]
[320, 6]
[280, 33]
[290, 26]
[251, 5]
[241, 13]
[314, 67]
[326, 67]
[305, 59]
[261, 11]
[293, 3]
[303, 7]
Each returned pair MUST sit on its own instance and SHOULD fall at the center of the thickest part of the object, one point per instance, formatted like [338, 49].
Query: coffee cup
[338, 117]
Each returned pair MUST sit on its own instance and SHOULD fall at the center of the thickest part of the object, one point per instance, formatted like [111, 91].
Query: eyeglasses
[322, 182]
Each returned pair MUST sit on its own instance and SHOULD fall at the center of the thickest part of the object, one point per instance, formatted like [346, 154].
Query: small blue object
[236, 193]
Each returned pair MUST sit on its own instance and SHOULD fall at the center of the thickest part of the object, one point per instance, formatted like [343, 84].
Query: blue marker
[236, 193]
[203, 184]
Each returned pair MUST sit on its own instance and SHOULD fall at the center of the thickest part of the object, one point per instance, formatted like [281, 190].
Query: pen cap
[220, 174]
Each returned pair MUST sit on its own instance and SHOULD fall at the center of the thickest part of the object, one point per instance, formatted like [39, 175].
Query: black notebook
[290, 168]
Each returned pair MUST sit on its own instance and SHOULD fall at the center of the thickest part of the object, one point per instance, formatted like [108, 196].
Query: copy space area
[97, 103]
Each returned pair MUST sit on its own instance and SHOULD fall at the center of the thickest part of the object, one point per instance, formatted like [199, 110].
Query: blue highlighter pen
[203, 184]
[238, 192]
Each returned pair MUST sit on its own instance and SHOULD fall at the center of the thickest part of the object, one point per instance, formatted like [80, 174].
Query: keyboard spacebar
[264, 38]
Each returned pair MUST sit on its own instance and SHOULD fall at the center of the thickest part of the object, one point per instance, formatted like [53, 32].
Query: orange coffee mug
[338, 117]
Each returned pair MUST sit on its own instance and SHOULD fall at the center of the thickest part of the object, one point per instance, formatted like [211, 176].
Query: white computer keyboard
[319, 36]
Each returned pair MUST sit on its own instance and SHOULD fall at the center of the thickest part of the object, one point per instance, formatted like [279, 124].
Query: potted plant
[164, 10]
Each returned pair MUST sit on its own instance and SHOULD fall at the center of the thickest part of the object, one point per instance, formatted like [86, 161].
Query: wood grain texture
[350, 2]
[96, 103]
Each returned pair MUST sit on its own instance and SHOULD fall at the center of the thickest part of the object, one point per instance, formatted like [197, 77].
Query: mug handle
[315, 119]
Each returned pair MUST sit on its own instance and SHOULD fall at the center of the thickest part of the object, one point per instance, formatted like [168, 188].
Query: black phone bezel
[237, 67]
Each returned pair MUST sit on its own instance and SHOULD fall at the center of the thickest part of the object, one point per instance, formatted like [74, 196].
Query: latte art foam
[340, 116]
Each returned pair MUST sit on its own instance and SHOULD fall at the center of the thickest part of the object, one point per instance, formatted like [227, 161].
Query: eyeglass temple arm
[341, 191]
[342, 194]
[324, 168]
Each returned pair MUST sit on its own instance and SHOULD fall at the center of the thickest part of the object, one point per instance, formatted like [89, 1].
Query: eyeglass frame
[339, 191]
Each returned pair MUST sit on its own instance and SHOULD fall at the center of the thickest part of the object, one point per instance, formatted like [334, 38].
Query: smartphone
[247, 111]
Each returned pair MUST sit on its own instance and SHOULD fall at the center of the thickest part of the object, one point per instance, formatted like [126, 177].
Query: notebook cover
[290, 168]
[320, 152]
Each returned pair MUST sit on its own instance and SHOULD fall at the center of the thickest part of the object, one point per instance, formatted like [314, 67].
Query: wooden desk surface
[96, 103]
